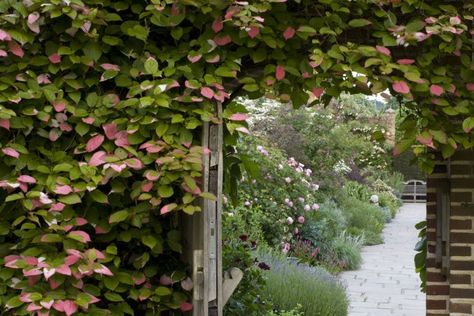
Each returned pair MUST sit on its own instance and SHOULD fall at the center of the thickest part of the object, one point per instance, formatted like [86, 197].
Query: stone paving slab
[387, 284]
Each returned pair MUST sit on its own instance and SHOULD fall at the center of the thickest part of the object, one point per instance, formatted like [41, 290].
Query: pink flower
[286, 247]
[301, 199]
[315, 206]
[301, 219]
[290, 204]
[247, 203]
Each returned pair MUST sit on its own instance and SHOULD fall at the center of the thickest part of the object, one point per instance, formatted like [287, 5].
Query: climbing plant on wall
[101, 104]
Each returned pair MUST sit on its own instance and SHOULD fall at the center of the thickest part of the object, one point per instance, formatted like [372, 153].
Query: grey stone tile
[386, 283]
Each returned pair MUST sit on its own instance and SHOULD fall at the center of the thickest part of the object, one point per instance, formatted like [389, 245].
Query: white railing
[414, 191]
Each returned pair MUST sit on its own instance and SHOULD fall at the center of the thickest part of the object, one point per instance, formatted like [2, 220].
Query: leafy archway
[101, 104]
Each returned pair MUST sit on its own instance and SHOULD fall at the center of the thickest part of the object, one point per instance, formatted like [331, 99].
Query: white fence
[414, 191]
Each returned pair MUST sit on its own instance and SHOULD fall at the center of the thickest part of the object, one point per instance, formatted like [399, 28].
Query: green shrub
[325, 225]
[347, 250]
[249, 297]
[357, 190]
[325, 230]
[290, 284]
[385, 180]
[390, 202]
[364, 219]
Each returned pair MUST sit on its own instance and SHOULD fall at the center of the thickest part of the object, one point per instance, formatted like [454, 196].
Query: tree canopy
[101, 104]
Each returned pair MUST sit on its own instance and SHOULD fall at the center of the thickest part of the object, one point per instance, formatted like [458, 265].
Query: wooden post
[202, 231]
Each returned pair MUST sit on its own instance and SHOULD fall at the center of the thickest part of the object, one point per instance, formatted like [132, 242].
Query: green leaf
[51, 238]
[161, 129]
[415, 26]
[149, 241]
[306, 29]
[468, 124]
[359, 22]
[165, 191]
[83, 299]
[372, 61]
[70, 199]
[14, 197]
[118, 217]
[163, 291]
[111, 283]
[92, 50]
[99, 197]
[225, 72]
[190, 182]
[14, 302]
[151, 66]
[113, 297]
[82, 129]
[208, 196]
[177, 33]
[252, 87]
[62, 167]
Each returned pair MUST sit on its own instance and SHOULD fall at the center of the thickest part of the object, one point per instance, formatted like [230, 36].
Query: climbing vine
[101, 104]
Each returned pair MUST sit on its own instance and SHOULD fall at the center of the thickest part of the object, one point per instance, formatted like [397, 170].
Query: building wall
[450, 288]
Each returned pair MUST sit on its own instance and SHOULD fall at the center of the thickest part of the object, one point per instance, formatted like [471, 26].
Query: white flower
[374, 199]
[288, 180]
[289, 220]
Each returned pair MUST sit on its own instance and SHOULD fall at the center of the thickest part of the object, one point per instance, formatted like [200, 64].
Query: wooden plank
[202, 231]
[214, 217]
[220, 185]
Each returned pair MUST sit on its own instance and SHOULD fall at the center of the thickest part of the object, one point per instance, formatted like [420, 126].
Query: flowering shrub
[272, 208]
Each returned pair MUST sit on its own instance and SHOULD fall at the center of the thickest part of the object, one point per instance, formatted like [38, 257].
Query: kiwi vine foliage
[101, 104]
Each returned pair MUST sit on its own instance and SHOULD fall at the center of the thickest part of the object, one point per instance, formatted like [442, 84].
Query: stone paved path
[386, 283]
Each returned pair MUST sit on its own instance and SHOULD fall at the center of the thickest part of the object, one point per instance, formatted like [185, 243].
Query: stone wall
[450, 259]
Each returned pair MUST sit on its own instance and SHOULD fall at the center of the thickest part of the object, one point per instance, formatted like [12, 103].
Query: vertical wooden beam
[202, 231]
[214, 212]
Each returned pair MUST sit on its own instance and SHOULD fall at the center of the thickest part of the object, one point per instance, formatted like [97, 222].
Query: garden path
[386, 283]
